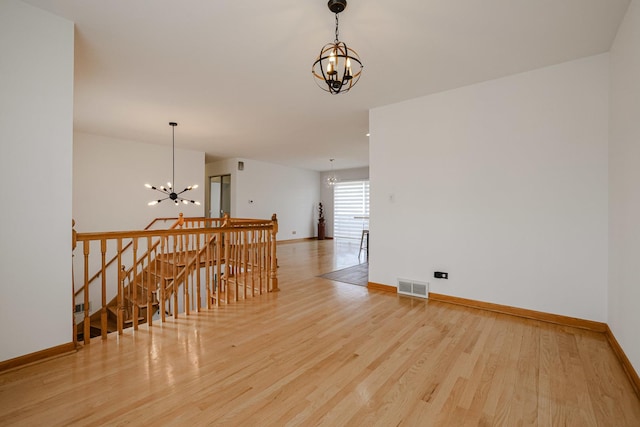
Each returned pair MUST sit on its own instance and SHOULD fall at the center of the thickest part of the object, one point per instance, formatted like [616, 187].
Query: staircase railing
[177, 221]
[174, 271]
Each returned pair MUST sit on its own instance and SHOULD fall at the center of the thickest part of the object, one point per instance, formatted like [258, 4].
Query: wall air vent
[413, 288]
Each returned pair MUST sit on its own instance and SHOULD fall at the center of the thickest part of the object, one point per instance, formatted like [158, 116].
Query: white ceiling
[236, 74]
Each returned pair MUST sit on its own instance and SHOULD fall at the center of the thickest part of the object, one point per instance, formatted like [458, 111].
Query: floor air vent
[413, 288]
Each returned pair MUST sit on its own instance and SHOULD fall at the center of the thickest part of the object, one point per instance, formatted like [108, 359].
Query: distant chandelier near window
[338, 68]
[169, 190]
[332, 179]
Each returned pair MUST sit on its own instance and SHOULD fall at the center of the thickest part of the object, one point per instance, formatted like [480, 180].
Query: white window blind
[350, 201]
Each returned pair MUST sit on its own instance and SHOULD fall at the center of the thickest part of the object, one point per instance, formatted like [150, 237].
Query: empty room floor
[320, 352]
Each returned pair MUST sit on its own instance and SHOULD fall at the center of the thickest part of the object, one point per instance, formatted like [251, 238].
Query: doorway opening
[220, 196]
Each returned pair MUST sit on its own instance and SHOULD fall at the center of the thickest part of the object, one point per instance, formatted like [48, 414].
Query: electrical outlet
[79, 308]
[440, 275]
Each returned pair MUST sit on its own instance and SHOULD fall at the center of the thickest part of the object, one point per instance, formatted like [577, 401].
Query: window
[350, 209]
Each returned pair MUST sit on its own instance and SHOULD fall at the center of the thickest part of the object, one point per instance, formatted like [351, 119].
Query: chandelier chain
[337, 39]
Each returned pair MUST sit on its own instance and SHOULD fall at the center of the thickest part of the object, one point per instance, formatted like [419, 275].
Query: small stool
[363, 245]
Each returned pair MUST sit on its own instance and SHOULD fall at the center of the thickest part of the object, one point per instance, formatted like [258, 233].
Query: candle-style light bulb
[331, 66]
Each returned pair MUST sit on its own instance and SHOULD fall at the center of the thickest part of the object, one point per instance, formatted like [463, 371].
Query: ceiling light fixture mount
[338, 67]
[169, 191]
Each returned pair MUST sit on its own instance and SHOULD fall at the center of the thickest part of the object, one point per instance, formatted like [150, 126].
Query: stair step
[149, 279]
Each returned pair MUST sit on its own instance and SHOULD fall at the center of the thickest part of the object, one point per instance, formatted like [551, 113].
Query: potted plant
[321, 232]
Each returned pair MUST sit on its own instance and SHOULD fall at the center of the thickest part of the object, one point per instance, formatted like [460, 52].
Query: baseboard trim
[624, 360]
[522, 312]
[302, 239]
[380, 287]
[38, 356]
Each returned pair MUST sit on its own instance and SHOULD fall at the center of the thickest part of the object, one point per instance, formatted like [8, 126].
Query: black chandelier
[338, 68]
[169, 191]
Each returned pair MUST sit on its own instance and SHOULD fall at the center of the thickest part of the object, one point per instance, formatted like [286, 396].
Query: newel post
[223, 281]
[87, 320]
[273, 274]
[180, 219]
[74, 235]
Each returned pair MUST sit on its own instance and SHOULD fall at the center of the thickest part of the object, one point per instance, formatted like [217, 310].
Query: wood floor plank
[324, 353]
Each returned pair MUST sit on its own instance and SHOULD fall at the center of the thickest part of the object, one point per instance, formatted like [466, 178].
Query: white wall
[624, 187]
[109, 177]
[262, 189]
[326, 192]
[36, 119]
[109, 193]
[501, 184]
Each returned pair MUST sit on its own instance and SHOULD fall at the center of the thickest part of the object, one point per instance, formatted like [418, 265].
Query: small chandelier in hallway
[338, 67]
[169, 190]
[332, 179]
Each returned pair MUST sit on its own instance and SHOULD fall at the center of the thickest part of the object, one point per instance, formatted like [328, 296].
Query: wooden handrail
[127, 246]
[237, 255]
[171, 232]
[234, 223]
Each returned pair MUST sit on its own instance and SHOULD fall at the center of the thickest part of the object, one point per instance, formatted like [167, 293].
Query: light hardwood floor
[325, 353]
